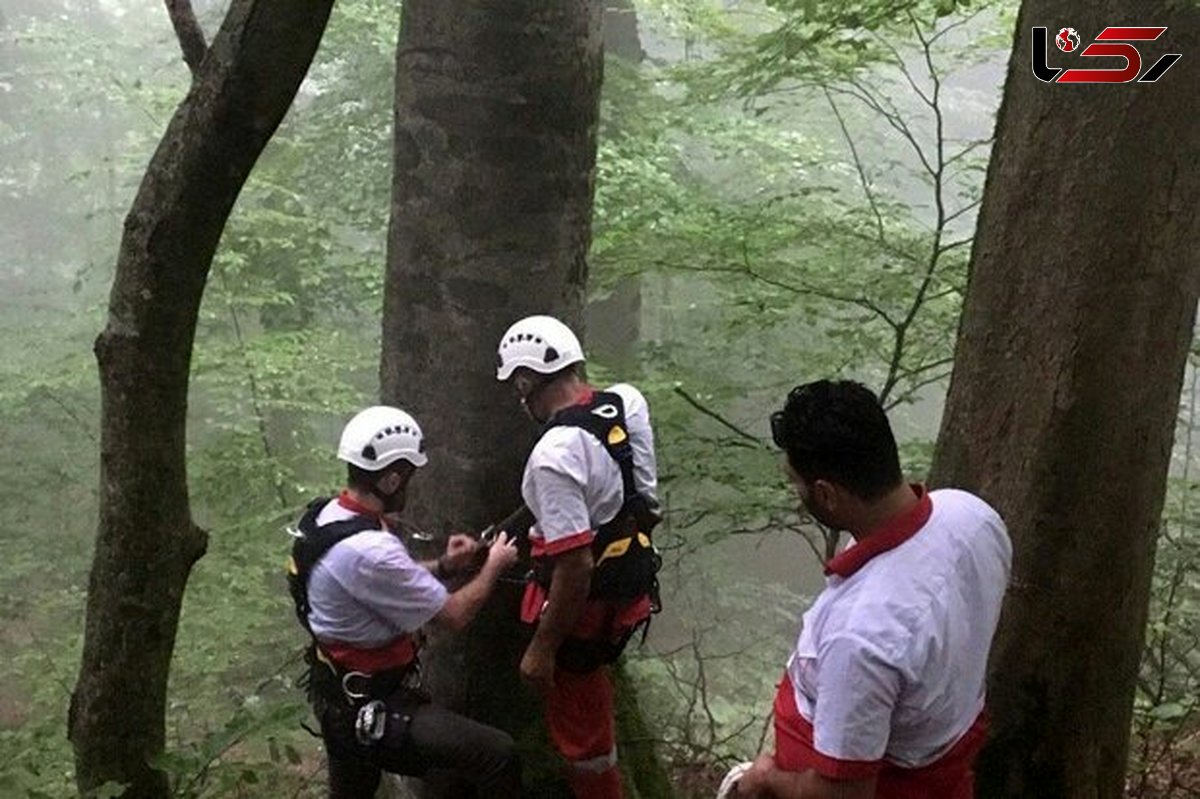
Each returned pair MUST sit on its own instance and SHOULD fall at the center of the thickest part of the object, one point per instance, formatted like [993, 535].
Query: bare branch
[695, 403]
[80, 425]
[189, 33]
[928, 366]
[892, 116]
[958, 23]
[956, 214]
[858, 164]
[914, 388]
[970, 148]
[746, 269]
[899, 59]
[255, 394]
[945, 248]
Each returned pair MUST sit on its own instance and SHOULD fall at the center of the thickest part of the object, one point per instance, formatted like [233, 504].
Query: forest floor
[1174, 771]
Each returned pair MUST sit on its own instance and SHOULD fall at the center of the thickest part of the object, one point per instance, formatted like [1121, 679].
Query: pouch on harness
[325, 681]
[625, 561]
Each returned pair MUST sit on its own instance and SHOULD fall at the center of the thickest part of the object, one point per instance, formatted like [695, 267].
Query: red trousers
[582, 725]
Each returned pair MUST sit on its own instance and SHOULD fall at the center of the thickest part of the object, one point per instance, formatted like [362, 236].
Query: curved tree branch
[147, 542]
[188, 31]
[695, 403]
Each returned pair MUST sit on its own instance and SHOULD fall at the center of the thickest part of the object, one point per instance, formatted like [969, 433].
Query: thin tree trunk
[146, 542]
[495, 146]
[1061, 411]
[614, 322]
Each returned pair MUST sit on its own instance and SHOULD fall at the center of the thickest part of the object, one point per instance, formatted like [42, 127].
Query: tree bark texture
[146, 542]
[496, 114]
[1061, 412]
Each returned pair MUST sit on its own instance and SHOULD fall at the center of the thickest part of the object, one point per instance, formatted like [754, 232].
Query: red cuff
[795, 749]
[539, 547]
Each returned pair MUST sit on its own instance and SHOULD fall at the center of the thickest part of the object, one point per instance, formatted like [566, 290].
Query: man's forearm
[569, 589]
[810, 785]
[436, 567]
[463, 605]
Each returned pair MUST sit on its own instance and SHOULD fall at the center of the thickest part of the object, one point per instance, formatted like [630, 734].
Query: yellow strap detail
[644, 540]
[615, 550]
[291, 566]
[616, 435]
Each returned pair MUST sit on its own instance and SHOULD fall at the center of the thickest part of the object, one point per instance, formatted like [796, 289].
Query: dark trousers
[421, 739]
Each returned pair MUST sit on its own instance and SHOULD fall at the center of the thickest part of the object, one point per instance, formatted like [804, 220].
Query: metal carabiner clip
[371, 722]
[350, 693]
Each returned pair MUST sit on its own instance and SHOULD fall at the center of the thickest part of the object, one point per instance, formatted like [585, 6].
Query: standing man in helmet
[364, 600]
[590, 483]
[883, 695]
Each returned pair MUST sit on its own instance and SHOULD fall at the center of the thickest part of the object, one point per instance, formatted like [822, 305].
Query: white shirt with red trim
[573, 486]
[890, 664]
[367, 589]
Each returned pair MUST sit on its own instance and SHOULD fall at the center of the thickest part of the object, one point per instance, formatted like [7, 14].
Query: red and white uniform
[887, 677]
[573, 487]
[369, 597]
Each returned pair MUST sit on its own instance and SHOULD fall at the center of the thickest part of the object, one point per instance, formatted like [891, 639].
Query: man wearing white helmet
[590, 483]
[364, 599]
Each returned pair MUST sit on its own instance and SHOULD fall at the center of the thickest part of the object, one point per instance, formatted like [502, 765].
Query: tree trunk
[621, 37]
[614, 322]
[495, 143]
[1071, 351]
[146, 542]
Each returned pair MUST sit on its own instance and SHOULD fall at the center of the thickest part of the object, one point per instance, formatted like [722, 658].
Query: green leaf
[1170, 711]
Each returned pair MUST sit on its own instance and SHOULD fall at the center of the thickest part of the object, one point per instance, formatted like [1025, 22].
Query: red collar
[354, 506]
[582, 401]
[586, 397]
[889, 535]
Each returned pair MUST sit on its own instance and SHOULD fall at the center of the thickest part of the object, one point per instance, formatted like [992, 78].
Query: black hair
[365, 480]
[838, 431]
[358, 477]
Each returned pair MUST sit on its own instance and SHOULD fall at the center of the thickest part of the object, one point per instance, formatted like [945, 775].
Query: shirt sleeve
[555, 492]
[856, 693]
[397, 588]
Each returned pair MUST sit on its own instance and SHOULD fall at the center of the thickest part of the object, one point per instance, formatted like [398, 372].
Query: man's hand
[462, 605]
[753, 784]
[537, 668]
[460, 553]
[765, 780]
[502, 553]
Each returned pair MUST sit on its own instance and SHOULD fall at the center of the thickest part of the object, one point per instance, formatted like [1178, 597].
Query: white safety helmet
[379, 436]
[540, 343]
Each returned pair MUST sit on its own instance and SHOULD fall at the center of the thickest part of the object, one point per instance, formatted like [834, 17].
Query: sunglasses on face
[779, 429]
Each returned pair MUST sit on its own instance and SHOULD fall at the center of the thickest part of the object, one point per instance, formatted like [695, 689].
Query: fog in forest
[761, 219]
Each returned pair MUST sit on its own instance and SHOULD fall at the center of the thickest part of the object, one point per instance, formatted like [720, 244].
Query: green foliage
[287, 346]
[773, 180]
[785, 229]
[203, 769]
